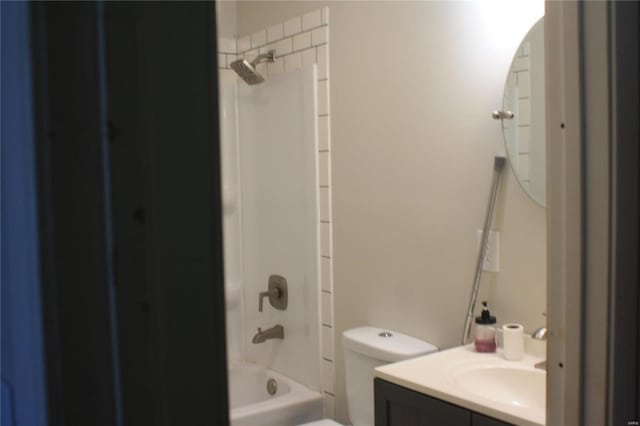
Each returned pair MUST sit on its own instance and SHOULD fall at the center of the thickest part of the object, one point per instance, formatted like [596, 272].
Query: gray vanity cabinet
[399, 406]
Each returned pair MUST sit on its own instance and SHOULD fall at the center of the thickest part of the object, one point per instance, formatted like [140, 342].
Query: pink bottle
[485, 334]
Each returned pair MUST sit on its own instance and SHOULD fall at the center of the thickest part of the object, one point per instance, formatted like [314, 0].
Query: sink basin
[512, 386]
[486, 383]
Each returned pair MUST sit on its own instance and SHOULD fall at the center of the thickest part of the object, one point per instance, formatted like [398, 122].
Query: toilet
[366, 348]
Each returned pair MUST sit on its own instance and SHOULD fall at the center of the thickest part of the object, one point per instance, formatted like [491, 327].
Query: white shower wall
[299, 43]
[280, 219]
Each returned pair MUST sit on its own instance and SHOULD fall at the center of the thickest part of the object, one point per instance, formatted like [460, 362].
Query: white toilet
[366, 348]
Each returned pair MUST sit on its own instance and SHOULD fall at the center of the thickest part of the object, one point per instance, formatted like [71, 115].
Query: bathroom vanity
[399, 406]
[461, 387]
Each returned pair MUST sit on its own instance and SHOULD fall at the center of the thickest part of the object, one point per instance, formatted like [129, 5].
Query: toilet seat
[323, 422]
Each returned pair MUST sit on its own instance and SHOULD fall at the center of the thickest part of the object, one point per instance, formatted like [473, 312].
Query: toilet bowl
[366, 348]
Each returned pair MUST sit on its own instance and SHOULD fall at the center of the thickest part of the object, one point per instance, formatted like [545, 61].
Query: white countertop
[432, 375]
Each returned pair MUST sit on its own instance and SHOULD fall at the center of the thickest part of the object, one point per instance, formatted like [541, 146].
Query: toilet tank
[366, 348]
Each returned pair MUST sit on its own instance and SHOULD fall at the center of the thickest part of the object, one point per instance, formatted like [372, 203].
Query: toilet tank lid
[384, 345]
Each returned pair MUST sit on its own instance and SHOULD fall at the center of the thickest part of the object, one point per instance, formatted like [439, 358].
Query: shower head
[247, 70]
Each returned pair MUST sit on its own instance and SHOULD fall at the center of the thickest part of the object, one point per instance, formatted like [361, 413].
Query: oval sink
[512, 386]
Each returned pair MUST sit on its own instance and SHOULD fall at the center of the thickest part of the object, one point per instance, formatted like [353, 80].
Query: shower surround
[276, 176]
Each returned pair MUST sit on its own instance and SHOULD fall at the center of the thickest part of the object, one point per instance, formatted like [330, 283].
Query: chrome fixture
[272, 386]
[276, 292]
[540, 334]
[276, 332]
[498, 165]
[247, 70]
[542, 365]
[501, 115]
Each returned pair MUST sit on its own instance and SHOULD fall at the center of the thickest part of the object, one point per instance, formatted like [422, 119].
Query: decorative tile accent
[226, 45]
[222, 60]
[323, 62]
[244, 43]
[301, 41]
[524, 134]
[284, 46]
[325, 169]
[327, 343]
[320, 36]
[324, 143]
[308, 57]
[325, 16]
[323, 97]
[524, 87]
[327, 377]
[293, 62]
[293, 26]
[325, 204]
[251, 54]
[325, 239]
[524, 110]
[523, 166]
[275, 33]
[327, 308]
[329, 409]
[326, 275]
[276, 67]
[312, 20]
[518, 128]
[266, 48]
[258, 38]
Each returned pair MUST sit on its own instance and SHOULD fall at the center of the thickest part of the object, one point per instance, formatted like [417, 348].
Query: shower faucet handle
[276, 292]
[269, 293]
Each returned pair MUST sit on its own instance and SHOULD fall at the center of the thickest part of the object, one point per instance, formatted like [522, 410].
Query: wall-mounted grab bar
[498, 165]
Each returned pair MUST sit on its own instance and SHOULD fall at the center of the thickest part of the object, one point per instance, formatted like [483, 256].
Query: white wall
[226, 18]
[413, 85]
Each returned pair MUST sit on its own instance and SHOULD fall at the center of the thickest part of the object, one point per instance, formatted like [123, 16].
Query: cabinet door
[398, 406]
[480, 420]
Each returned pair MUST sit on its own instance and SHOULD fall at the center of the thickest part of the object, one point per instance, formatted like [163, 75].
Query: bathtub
[252, 405]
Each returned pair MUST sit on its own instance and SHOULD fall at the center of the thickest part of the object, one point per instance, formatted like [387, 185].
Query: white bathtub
[251, 404]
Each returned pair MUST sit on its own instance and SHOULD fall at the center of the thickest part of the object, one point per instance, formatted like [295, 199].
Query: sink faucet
[540, 334]
[276, 332]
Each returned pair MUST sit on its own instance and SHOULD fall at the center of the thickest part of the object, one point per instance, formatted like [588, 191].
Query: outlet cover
[492, 256]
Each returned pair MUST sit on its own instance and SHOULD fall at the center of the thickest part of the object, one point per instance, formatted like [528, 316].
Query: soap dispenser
[485, 334]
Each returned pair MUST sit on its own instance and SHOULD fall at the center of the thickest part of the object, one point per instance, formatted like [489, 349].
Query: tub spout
[276, 332]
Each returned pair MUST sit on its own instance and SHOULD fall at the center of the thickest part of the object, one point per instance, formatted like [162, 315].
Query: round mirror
[523, 114]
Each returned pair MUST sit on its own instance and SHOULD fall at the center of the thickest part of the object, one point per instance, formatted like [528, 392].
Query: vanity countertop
[445, 375]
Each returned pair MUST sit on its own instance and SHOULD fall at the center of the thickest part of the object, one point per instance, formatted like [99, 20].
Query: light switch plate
[492, 256]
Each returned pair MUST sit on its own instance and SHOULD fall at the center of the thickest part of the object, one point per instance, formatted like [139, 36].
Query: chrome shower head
[247, 70]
